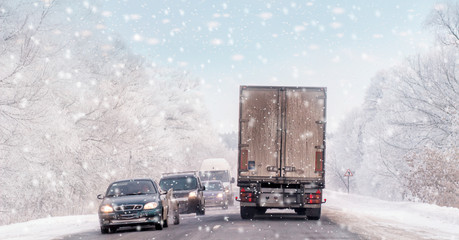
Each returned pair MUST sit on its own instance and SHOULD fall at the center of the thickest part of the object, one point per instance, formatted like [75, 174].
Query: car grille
[181, 195]
[128, 207]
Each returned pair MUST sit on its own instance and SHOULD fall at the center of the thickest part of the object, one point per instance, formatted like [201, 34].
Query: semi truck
[281, 149]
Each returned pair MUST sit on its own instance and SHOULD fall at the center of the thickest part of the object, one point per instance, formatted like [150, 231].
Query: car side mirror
[100, 196]
[232, 180]
[203, 188]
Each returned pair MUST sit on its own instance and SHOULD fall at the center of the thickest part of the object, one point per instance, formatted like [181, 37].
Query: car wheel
[159, 226]
[176, 217]
[200, 211]
[104, 230]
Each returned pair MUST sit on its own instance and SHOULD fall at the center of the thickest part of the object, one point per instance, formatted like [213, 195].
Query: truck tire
[248, 212]
[300, 211]
[313, 213]
[261, 211]
[104, 230]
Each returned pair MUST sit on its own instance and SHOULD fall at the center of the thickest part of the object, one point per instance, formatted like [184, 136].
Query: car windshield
[179, 183]
[214, 175]
[130, 188]
[213, 186]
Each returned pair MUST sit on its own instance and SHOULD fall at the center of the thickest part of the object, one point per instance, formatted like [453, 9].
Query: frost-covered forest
[78, 110]
[403, 141]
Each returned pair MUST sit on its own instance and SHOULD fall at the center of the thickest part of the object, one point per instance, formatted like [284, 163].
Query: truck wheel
[261, 211]
[247, 212]
[300, 211]
[313, 213]
[104, 230]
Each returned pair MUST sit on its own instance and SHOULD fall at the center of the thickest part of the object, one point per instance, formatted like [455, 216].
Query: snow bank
[374, 218]
[50, 228]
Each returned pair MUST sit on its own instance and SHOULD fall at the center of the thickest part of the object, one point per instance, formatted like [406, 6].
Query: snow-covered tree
[410, 130]
[78, 110]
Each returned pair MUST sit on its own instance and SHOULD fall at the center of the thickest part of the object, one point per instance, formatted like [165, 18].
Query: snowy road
[344, 216]
[227, 224]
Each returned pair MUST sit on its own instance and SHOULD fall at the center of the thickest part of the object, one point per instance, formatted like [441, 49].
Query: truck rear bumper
[279, 205]
[284, 196]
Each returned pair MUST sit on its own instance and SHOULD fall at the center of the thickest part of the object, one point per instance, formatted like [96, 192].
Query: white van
[218, 169]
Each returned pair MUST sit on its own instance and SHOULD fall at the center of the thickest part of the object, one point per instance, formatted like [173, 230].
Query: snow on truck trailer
[281, 149]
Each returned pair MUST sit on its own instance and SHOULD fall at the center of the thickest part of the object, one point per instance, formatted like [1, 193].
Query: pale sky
[340, 45]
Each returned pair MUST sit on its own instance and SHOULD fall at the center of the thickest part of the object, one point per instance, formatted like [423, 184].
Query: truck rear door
[303, 138]
[281, 132]
[259, 135]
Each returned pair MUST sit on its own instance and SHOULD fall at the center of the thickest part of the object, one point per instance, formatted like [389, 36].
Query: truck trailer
[281, 149]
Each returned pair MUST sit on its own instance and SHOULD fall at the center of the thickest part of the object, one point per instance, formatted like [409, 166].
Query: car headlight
[106, 209]
[220, 195]
[150, 205]
[192, 194]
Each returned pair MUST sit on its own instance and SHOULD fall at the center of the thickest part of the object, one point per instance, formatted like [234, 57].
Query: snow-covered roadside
[50, 228]
[377, 219]
[369, 217]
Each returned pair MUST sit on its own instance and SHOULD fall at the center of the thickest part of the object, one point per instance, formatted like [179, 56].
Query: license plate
[128, 216]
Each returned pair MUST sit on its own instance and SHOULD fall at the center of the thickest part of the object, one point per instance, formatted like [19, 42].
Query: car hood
[182, 193]
[131, 199]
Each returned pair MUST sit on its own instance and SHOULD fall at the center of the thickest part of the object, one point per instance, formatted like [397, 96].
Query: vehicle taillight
[247, 196]
[314, 198]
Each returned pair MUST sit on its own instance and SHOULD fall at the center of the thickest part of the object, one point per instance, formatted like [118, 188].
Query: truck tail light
[315, 198]
[247, 196]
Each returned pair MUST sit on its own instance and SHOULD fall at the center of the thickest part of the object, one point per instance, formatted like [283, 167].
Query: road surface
[227, 224]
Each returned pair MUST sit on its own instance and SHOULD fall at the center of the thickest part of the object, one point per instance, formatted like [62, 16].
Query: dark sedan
[215, 194]
[136, 202]
[188, 191]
